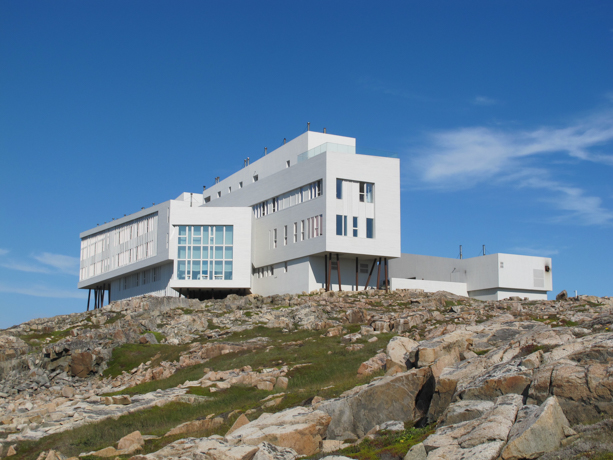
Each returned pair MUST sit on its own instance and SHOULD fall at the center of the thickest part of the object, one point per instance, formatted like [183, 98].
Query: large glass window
[205, 252]
[339, 188]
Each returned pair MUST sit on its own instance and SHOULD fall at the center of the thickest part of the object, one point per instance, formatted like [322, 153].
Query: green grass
[337, 370]
[131, 355]
[55, 336]
[389, 445]
[158, 335]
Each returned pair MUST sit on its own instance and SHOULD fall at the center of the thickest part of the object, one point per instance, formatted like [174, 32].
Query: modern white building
[315, 213]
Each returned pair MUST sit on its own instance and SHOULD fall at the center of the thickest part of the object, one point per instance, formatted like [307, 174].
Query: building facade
[315, 213]
[312, 214]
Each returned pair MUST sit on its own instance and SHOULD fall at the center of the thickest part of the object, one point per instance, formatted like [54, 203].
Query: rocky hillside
[361, 375]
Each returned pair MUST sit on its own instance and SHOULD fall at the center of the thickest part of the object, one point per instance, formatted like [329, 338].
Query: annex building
[314, 213]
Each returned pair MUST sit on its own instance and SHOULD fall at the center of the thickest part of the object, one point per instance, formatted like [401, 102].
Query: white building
[314, 213]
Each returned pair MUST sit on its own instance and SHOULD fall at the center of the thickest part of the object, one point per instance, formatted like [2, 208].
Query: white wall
[385, 174]
[430, 286]
[490, 277]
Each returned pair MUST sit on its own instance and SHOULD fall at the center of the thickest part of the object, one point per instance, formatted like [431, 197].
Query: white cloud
[44, 291]
[65, 264]
[484, 101]
[465, 157]
[541, 252]
[47, 263]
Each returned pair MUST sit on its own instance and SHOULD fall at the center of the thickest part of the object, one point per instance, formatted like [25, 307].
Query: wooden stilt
[379, 274]
[326, 270]
[338, 270]
[387, 287]
[356, 274]
[374, 262]
[89, 296]
[329, 272]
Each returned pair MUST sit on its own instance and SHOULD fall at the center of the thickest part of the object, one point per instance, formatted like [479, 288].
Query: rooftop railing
[341, 148]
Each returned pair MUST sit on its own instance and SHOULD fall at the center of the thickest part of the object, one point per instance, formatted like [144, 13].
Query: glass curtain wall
[205, 252]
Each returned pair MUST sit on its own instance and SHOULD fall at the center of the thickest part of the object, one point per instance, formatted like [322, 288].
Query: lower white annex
[316, 213]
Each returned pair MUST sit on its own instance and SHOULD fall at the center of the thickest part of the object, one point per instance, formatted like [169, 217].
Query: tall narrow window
[274, 238]
[369, 193]
[339, 188]
[240, 185]
[344, 225]
[370, 228]
[355, 226]
[285, 235]
[255, 178]
[302, 230]
[295, 232]
[362, 191]
[287, 164]
[339, 225]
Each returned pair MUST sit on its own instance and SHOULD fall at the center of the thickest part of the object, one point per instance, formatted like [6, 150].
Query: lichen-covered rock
[404, 397]
[537, 430]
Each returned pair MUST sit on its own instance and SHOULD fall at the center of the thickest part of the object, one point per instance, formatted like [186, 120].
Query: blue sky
[501, 113]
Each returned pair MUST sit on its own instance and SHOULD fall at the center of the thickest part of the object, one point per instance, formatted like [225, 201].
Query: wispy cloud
[65, 264]
[378, 86]
[47, 263]
[530, 251]
[44, 291]
[483, 101]
[465, 157]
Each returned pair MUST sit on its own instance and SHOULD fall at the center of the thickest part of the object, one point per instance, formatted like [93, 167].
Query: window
[229, 189]
[369, 192]
[370, 228]
[341, 225]
[240, 185]
[288, 199]
[205, 252]
[295, 232]
[274, 238]
[334, 265]
[302, 230]
[255, 178]
[287, 164]
[219, 194]
[339, 188]
[207, 199]
[285, 236]
[355, 226]
[363, 268]
[362, 191]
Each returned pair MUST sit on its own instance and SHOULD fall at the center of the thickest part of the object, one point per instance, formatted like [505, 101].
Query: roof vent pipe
[284, 141]
[308, 125]
[265, 150]
[203, 188]
[324, 130]
[217, 180]
[248, 161]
